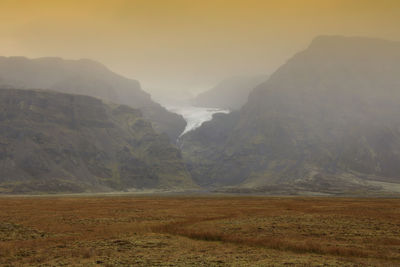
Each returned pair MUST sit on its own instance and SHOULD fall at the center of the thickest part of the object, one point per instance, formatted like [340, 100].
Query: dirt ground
[199, 231]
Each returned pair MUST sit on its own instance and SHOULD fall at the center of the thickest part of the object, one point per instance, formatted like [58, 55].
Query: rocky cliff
[56, 142]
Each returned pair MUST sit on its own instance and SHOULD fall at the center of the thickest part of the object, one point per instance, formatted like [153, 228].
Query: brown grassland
[199, 231]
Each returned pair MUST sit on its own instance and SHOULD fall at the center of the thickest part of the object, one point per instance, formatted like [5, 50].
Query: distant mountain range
[230, 94]
[87, 77]
[54, 142]
[327, 121]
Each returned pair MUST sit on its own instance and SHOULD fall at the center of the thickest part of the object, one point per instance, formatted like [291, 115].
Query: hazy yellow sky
[186, 44]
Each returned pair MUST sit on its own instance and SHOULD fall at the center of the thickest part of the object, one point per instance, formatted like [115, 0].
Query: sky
[186, 46]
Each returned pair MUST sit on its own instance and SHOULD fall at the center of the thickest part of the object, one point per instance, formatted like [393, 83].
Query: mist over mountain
[56, 142]
[200, 133]
[327, 121]
[87, 77]
[231, 93]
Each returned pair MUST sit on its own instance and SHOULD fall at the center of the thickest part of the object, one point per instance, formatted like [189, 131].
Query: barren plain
[199, 231]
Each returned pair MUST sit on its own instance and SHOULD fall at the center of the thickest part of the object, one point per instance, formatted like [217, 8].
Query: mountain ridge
[87, 77]
[231, 93]
[326, 121]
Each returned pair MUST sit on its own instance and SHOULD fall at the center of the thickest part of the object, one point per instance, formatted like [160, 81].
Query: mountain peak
[325, 121]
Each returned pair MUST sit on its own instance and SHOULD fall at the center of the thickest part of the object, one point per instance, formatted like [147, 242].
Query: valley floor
[199, 231]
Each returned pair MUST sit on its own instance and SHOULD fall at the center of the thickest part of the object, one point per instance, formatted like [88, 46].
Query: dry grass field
[199, 231]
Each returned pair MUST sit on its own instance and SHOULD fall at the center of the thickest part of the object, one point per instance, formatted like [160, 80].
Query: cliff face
[55, 142]
[86, 77]
[327, 121]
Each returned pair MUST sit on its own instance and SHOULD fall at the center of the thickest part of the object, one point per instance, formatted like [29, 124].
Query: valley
[310, 128]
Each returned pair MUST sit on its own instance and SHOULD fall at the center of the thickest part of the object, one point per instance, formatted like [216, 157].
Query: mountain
[56, 142]
[327, 121]
[87, 77]
[231, 93]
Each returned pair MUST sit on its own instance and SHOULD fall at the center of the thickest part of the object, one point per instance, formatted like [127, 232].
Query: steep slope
[327, 121]
[55, 142]
[231, 93]
[90, 78]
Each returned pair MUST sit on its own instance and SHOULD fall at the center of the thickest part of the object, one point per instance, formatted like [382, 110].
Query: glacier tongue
[195, 116]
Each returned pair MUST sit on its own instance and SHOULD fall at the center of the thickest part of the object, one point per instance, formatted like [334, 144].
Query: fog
[178, 48]
[263, 97]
